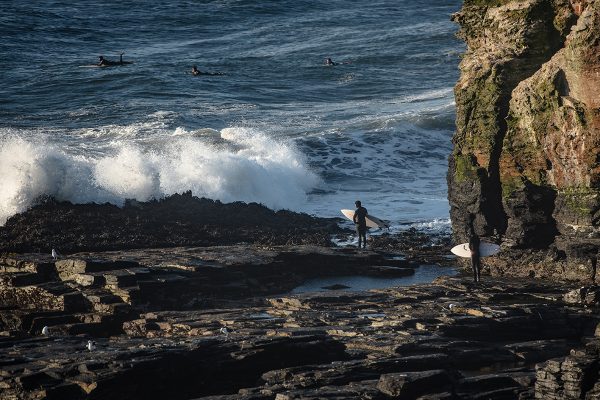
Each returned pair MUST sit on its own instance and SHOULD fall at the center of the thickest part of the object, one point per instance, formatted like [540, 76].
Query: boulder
[409, 385]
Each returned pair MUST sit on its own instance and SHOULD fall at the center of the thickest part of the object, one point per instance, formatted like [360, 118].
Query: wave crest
[244, 165]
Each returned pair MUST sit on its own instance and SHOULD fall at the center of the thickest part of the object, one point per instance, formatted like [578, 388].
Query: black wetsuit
[360, 219]
[107, 63]
[198, 72]
[475, 257]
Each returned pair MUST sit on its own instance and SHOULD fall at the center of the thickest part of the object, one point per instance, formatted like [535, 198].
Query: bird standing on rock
[91, 345]
[225, 331]
[45, 331]
[55, 254]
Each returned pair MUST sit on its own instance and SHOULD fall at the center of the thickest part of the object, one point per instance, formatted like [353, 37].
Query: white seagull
[55, 254]
[225, 331]
[91, 345]
[45, 331]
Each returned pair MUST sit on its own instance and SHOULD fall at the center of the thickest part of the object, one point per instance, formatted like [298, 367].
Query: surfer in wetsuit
[360, 220]
[329, 62]
[103, 62]
[474, 248]
[196, 72]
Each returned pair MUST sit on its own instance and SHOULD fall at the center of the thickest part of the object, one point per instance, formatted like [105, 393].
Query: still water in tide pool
[423, 274]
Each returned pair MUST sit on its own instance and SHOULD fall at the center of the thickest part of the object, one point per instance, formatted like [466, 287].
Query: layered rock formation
[526, 160]
[213, 323]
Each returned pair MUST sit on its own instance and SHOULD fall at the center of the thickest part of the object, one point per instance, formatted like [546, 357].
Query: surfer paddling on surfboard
[330, 63]
[196, 72]
[360, 220]
[103, 62]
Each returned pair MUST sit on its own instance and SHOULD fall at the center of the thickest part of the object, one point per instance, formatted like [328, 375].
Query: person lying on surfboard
[196, 72]
[330, 63]
[103, 62]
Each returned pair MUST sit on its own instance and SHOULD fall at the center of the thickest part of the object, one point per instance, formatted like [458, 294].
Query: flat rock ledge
[215, 323]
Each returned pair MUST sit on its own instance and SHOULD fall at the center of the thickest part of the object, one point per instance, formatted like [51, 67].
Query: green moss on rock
[580, 200]
[511, 185]
[477, 117]
[465, 168]
[523, 139]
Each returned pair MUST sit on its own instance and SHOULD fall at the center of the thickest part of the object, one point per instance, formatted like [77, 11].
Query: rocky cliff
[526, 149]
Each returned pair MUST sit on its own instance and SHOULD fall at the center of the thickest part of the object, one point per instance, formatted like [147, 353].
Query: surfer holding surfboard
[475, 249]
[369, 222]
[360, 220]
[474, 243]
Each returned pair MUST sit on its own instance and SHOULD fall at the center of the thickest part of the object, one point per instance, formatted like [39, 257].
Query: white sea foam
[436, 225]
[428, 95]
[244, 165]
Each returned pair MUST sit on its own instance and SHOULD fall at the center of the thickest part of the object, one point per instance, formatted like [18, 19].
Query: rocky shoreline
[216, 323]
[177, 220]
[188, 298]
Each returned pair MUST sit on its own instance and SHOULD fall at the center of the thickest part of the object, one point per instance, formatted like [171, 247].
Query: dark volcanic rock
[178, 220]
[186, 323]
[415, 245]
[410, 385]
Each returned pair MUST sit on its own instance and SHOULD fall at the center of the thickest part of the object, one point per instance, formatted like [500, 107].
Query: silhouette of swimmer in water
[329, 62]
[103, 62]
[196, 72]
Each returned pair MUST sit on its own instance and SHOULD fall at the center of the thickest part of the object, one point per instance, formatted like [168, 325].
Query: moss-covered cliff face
[526, 158]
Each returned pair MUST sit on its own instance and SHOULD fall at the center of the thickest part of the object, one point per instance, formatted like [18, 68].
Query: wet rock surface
[215, 323]
[178, 220]
[414, 244]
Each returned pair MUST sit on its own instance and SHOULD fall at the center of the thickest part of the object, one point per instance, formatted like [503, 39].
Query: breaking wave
[240, 164]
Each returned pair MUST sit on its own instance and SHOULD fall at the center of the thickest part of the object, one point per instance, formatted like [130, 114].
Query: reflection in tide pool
[423, 274]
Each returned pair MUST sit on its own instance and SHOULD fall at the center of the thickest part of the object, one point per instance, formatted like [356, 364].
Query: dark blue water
[277, 128]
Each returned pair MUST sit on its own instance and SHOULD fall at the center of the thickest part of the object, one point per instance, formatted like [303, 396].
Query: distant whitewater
[278, 128]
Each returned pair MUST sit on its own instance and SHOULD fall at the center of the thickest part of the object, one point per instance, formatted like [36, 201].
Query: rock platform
[216, 323]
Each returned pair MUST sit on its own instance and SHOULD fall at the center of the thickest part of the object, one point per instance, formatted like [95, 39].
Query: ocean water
[278, 128]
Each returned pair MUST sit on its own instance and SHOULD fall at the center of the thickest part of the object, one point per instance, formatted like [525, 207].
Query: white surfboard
[485, 249]
[372, 222]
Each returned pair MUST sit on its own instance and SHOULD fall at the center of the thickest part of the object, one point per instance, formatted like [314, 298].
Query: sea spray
[29, 169]
[128, 174]
[244, 165]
